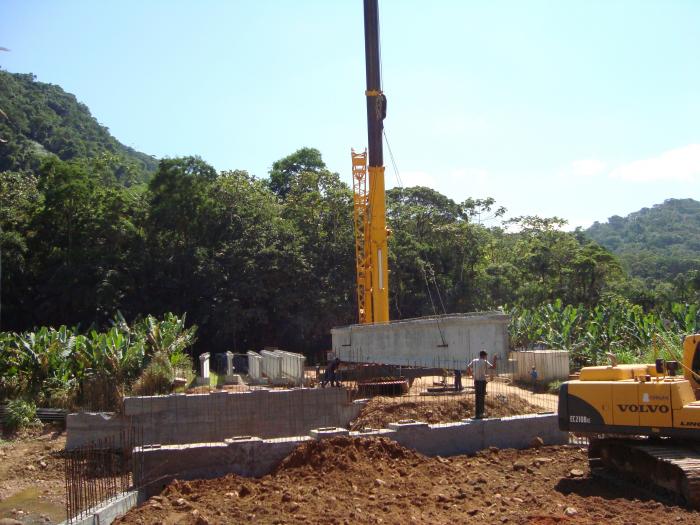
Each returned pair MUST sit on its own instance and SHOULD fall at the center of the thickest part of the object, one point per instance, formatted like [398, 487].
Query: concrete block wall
[431, 342]
[86, 427]
[469, 436]
[198, 418]
[155, 467]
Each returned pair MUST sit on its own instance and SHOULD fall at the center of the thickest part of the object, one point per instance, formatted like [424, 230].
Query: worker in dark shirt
[330, 375]
[458, 380]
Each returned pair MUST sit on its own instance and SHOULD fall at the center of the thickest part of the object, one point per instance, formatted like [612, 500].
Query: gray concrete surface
[198, 418]
[447, 341]
[108, 511]
[86, 427]
[249, 456]
[156, 466]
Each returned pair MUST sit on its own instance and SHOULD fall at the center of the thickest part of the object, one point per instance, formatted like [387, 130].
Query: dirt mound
[342, 452]
[380, 411]
[387, 484]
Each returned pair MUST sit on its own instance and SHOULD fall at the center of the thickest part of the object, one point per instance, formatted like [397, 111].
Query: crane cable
[430, 295]
[401, 185]
[393, 160]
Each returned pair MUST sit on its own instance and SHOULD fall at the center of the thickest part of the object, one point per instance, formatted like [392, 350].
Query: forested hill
[658, 243]
[40, 119]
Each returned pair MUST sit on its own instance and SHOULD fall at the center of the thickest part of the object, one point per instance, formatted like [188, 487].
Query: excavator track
[664, 464]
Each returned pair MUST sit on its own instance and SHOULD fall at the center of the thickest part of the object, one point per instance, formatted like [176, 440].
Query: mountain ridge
[41, 119]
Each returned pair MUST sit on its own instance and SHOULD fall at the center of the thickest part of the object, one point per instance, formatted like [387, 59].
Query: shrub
[553, 387]
[19, 414]
[156, 378]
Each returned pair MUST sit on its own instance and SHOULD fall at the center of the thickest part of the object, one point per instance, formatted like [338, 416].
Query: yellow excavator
[642, 420]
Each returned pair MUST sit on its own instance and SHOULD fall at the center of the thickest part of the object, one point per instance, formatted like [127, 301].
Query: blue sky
[577, 109]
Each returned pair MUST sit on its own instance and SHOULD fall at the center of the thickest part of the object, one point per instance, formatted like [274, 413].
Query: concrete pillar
[229, 363]
[204, 367]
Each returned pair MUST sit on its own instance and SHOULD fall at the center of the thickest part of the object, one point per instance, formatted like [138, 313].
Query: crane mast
[370, 202]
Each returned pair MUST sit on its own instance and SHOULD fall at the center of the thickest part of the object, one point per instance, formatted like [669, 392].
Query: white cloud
[588, 167]
[680, 164]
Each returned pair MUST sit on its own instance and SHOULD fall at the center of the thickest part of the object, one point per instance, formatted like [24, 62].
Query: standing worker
[330, 373]
[458, 380]
[477, 368]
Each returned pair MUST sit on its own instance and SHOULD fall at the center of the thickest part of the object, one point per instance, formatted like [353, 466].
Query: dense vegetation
[64, 368]
[41, 120]
[614, 327]
[270, 261]
[659, 247]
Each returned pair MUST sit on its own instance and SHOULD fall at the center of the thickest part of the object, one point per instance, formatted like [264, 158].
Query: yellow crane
[371, 233]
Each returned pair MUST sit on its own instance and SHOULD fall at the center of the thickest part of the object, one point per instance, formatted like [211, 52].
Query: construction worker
[458, 380]
[477, 368]
[330, 376]
[533, 376]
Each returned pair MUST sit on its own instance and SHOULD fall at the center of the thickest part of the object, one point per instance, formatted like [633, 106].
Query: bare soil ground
[380, 411]
[359, 480]
[32, 488]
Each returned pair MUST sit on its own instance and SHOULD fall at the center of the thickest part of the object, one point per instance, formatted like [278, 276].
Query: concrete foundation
[199, 418]
[446, 341]
[108, 511]
[155, 467]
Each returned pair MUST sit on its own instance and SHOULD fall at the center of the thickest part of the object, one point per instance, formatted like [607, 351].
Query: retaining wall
[156, 466]
[199, 418]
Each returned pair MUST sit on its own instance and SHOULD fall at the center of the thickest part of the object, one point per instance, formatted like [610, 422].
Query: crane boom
[372, 256]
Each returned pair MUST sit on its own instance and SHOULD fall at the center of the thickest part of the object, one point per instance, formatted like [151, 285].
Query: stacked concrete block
[551, 365]
[272, 365]
[292, 367]
[255, 366]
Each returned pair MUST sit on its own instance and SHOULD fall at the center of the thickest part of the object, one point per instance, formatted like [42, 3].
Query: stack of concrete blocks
[255, 367]
[203, 378]
[292, 367]
[232, 378]
[551, 365]
[272, 366]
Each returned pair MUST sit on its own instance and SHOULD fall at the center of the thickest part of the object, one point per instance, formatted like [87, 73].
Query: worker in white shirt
[477, 369]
